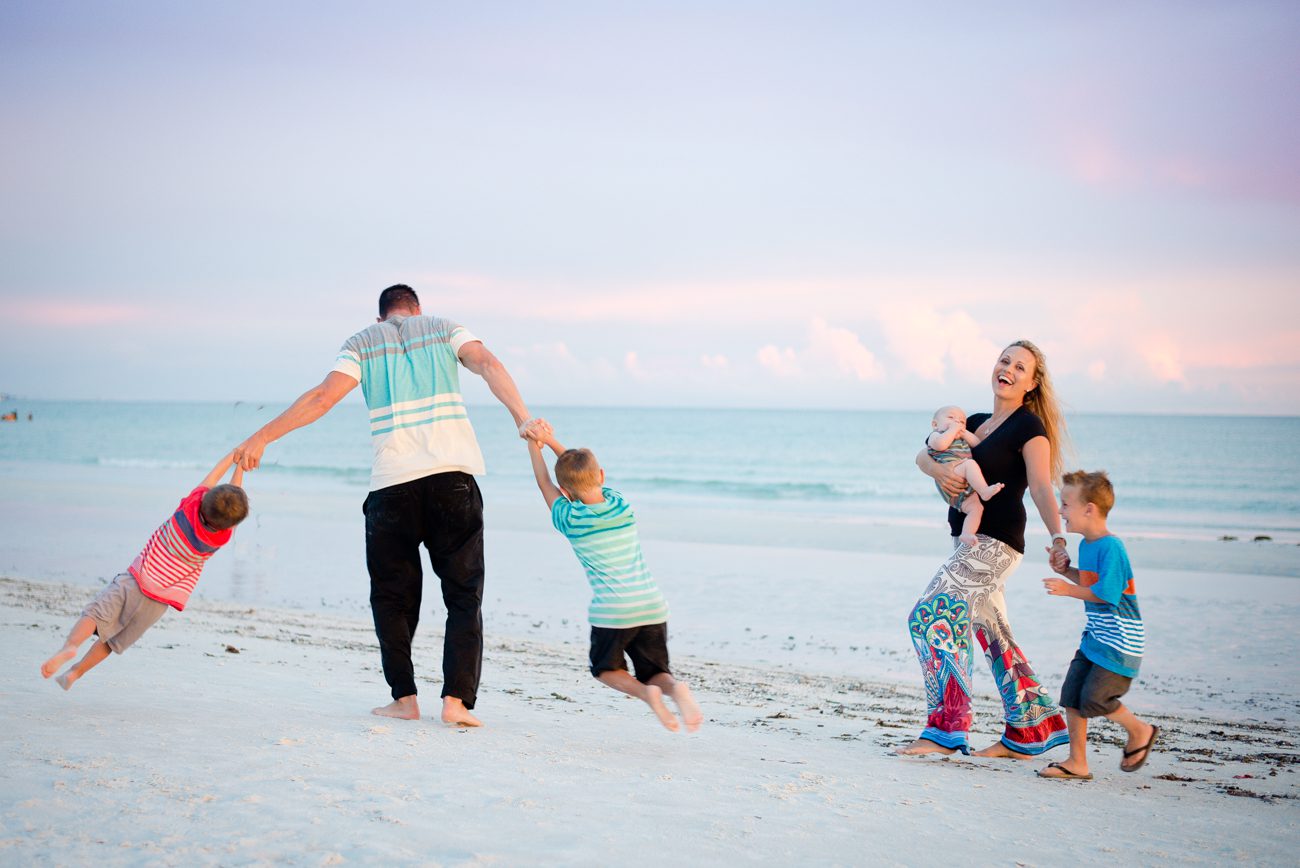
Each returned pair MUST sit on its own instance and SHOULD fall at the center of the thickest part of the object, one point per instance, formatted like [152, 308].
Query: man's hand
[536, 429]
[1058, 587]
[248, 455]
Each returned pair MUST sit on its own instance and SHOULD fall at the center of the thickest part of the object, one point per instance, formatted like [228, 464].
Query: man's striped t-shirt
[1114, 637]
[168, 567]
[604, 537]
[408, 367]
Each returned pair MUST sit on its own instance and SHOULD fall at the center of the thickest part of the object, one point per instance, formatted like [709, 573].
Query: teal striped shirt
[603, 536]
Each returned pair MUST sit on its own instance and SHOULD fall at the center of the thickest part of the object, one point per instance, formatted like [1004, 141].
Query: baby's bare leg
[96, 655]
[81, 631]
[973, 509]
[975, 477]
[622, 681]
[681, 694]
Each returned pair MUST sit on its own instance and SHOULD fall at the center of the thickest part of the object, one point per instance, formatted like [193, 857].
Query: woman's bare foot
[454, 713]
[1000, 750]
[49, 667]
[686, 705]
[406, 708]
[654, 697]
[923, 746]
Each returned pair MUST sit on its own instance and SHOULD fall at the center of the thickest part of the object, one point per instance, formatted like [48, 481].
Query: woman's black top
[999, 457]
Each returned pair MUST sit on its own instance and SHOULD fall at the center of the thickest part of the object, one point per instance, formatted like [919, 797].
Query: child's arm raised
[939, 441]
[220, 470]
[550, 493]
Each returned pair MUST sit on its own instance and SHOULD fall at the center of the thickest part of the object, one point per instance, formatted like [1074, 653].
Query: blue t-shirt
[604, 537]
[1114, 637]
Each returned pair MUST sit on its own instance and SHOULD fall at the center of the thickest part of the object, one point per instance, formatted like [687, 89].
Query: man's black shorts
[646, 645]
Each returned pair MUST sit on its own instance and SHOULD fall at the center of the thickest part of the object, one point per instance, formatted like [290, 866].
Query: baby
[950, 443]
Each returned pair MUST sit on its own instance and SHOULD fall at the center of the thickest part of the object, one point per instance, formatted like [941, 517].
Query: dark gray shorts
[1092, 690]
[122, 612]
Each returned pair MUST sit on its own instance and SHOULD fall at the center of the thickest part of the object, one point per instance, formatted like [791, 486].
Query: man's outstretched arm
[479, 360]
[310, 406]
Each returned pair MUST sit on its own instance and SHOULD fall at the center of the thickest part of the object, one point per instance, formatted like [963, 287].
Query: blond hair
[1044, 404]
[1094, 487]
[577, 470]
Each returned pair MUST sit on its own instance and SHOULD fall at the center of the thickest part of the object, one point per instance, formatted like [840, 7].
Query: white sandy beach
[181, 751]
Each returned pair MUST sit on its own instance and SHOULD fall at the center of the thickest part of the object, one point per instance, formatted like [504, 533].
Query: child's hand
[1058, 587]
[537, 430]
[1058, 559]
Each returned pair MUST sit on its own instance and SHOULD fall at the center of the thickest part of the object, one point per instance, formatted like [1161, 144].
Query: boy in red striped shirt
[162, 575]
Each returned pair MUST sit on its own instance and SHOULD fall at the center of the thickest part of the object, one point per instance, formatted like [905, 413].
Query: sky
[799, 204]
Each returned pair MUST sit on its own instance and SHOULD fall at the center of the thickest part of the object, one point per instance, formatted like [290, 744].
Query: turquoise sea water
[1176, 476]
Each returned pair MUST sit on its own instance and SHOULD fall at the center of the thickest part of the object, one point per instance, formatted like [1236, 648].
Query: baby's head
[577, 471]
[1086, 499]
[946, 417]
[223, 506]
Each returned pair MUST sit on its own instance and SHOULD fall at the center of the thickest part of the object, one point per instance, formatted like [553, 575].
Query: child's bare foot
[406, 708]
[969, 540]
[66, 680]
[654, 697]
[687, 707]
[923, 746]
[991, 490]
[1001, 751]
[49, 667]
[454, 713]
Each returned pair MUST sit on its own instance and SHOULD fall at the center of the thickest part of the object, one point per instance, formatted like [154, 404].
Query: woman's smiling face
[1015, 374]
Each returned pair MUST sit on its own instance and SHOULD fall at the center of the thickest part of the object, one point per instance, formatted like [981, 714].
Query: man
[422, 488]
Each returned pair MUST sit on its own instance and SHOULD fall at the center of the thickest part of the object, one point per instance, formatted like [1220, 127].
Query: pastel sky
[812, 204]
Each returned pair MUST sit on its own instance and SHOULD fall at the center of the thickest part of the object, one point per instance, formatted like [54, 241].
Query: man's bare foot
[686, 705]
[49, 667]
[65, 681]
[1000, 750]
[406, 708]
[923, 746]
[654, 697]
[454, 713]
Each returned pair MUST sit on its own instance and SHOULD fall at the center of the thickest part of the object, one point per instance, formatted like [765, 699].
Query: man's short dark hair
[397, 295]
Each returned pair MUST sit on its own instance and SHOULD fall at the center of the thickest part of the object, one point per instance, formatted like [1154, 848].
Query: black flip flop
[1151, 743]
[1065, 774]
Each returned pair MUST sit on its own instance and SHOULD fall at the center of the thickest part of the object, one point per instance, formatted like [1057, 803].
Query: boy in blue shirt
[1111, 648]
[628, 613]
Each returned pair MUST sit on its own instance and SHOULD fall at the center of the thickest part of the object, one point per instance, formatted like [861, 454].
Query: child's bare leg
[975, 478]
[622, 681]
[1077, 762]
[973, 509]
[1139, 735]
[96, 655]
[681, 694]
[81, 631]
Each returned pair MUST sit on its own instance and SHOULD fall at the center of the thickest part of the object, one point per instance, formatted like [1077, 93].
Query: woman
[1021, 446]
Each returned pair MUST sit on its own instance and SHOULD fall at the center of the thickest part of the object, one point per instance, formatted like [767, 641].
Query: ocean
[1196, 477]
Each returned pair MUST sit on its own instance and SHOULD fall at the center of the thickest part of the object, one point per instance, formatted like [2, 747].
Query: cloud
[716, 362]
[68, 313]
[1163, 359]
[1097, 371]
[926, 341]
[845, 350]
[783, 363]
[632, 364]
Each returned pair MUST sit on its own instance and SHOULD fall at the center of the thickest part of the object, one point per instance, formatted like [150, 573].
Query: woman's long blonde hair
[1047, 407]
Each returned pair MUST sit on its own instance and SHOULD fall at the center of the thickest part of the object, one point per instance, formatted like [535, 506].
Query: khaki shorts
[122, 612]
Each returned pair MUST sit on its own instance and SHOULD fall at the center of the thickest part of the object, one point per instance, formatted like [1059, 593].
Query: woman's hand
[947, 475]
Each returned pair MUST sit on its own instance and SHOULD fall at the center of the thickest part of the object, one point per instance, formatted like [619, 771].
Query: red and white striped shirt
[168, 568]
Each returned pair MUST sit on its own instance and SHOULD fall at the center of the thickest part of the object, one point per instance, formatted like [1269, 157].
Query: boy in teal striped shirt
[628, 613]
